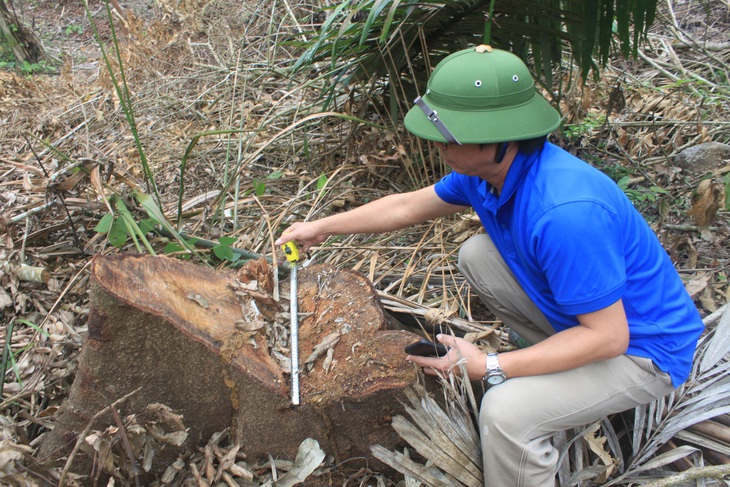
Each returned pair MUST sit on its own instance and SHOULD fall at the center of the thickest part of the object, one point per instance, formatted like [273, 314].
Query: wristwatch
[495, 374]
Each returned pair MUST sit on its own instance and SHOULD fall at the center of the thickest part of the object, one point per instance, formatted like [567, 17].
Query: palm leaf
[399, 38]
[704, 396]
[720, 345]
[445, 435]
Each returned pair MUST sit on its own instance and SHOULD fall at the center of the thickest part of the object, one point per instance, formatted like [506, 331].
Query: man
[566, 262]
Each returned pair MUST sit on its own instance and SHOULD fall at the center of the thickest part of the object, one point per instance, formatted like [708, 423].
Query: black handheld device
[426, 348]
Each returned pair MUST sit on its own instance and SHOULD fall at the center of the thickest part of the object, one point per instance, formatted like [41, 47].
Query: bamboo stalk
[28, 273]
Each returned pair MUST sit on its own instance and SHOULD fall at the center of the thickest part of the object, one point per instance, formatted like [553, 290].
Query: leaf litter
[187, 78]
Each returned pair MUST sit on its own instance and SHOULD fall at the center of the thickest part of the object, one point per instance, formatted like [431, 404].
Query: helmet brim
[529, 120]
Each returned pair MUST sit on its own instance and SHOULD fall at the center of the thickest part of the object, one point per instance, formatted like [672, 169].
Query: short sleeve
[580, 248]
[449, 190]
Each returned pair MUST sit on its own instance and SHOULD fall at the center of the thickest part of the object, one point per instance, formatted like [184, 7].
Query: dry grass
[209, 88]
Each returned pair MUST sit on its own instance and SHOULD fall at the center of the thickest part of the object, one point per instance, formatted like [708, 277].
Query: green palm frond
[369, 39]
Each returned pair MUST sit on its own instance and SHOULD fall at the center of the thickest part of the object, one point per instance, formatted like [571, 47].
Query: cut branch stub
[175, 329]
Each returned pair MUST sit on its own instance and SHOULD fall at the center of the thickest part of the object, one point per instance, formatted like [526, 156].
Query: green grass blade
[7, 355]
[122, 91]
[154, 212]
[133, 229]
[184, 162]
[372, 17]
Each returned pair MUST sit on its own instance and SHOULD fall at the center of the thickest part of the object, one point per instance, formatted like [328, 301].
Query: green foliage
[27, 68]
[259, 187]
[366, 40]
[109, 225]
[224, 251]
[8, 61]
[6, 49]
[119, 81]
[642, 192]
[640, 195]
[275, 175]
[74, 29]
[122, 226]
[586, 126]
[9, 359]
[321, 182]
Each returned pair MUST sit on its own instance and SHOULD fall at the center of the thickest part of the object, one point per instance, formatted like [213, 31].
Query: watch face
[495, 379]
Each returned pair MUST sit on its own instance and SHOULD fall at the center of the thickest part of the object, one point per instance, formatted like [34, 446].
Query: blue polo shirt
[576, 244]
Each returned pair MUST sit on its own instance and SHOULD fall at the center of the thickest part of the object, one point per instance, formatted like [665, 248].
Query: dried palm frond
[705, 395]
[445, 435]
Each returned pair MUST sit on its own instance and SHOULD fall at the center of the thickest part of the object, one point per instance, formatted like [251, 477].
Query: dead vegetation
[238, 149]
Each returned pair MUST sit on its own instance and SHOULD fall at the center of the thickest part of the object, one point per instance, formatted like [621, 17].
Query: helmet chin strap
[501, 151]
[433, 117]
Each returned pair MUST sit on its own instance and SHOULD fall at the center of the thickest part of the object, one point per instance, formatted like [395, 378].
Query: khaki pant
[518, 418]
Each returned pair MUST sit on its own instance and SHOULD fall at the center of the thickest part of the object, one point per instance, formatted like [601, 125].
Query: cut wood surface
[186, 336]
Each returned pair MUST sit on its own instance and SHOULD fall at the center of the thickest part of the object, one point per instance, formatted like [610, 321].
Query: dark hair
[527, 146]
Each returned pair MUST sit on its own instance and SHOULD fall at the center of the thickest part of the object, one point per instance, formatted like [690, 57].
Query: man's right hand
[305, 234]
[386, 214]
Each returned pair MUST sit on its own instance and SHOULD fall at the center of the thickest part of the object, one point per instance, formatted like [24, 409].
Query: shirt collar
[521, 165]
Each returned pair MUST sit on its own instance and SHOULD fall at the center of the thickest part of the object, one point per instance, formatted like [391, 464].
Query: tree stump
[199, 341]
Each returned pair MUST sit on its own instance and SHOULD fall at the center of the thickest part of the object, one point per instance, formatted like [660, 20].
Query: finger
[282, 239]
[431, 371]
[446, 339]
[428, 362]
[419, 360]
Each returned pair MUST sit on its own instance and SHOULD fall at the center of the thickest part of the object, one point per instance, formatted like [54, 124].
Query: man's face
[473, 159]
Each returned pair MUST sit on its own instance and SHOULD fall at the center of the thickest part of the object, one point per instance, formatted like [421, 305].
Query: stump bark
[177, 331]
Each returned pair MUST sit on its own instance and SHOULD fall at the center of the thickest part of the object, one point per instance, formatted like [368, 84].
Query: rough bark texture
[24, 43]
[170, 328]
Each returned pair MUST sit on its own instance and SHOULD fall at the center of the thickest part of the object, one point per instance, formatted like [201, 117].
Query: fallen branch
[686, 228]
[715, 315]
[122, 433]
[82, 436]
[708, 46]
[695, 473]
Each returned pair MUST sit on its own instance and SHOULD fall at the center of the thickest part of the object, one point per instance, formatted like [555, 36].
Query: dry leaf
[709, 199]
[707, 300]
[239, 471]
[597, 445]
[245, 325]
[329, 361]
[697, 285]
[437, 316]
[327, 342]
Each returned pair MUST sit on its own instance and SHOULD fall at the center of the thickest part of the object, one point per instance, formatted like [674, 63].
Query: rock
[703, 158]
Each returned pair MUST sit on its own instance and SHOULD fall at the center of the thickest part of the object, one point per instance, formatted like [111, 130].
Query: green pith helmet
[481, 95]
